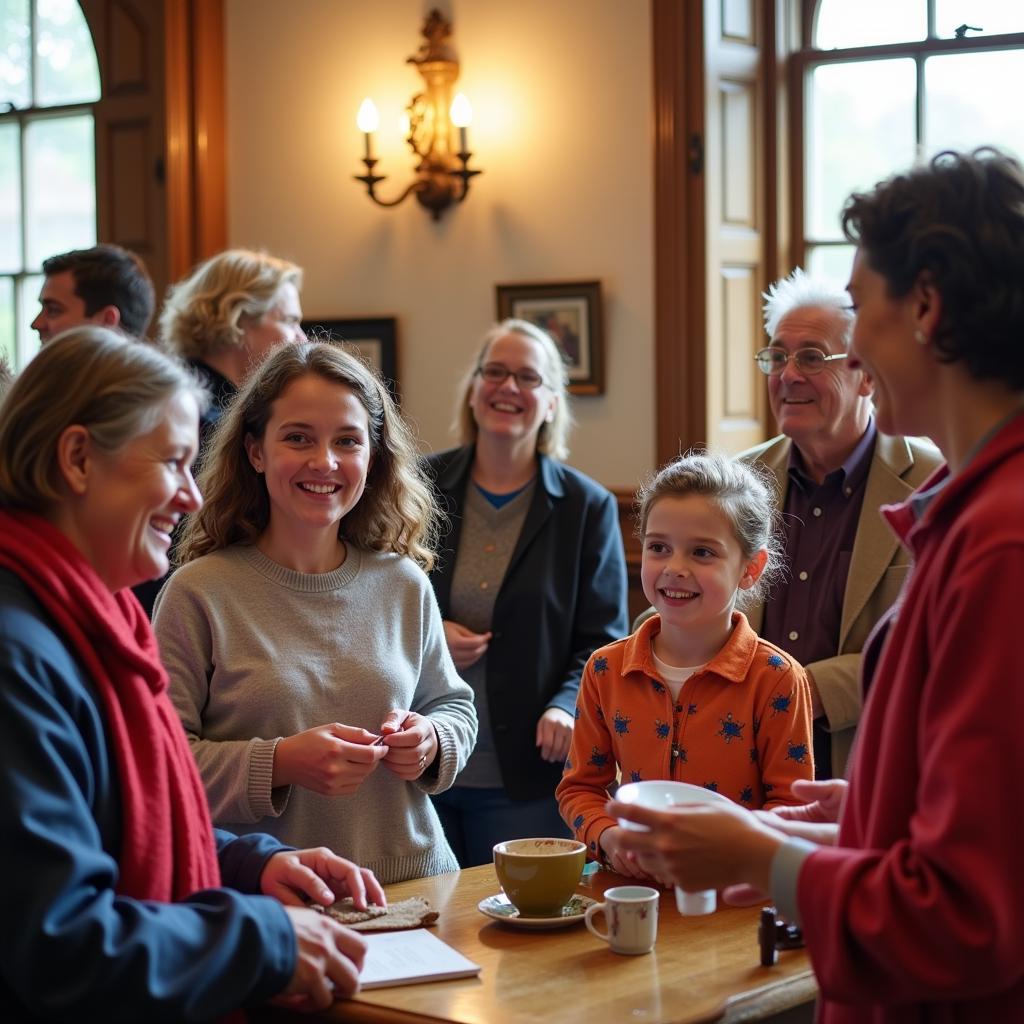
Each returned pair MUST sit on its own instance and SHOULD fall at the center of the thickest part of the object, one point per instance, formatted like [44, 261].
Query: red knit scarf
[167, 850]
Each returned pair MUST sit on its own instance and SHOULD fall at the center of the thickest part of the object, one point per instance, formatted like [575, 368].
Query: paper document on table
[409, 957]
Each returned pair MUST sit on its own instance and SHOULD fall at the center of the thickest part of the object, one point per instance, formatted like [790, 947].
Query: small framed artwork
[571, 313]
[373, 338]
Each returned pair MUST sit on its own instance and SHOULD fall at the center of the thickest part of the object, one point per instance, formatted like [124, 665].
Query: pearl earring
[919, 337]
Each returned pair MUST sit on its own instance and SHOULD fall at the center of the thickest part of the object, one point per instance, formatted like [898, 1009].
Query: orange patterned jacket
[741, 726]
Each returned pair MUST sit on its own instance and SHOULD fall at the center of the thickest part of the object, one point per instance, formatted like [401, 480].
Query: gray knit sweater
[257, 652]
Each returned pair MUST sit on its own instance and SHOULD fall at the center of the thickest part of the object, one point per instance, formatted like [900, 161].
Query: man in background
[104, 285]
[833, 471]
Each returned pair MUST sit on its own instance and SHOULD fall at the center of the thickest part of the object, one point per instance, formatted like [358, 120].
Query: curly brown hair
[396, 513]
[959, 220]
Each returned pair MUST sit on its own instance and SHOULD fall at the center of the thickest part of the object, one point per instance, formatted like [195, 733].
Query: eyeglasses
[809, 361]
[496, 373]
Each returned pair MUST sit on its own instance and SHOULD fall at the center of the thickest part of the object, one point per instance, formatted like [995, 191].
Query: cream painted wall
[561, 93]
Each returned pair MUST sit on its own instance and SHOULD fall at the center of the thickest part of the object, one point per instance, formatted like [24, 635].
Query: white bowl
[659, 794]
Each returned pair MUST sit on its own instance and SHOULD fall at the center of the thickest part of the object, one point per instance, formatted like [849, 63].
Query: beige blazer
[878, 567]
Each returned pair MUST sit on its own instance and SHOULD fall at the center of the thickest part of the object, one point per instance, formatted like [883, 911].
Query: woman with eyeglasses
[531, 579]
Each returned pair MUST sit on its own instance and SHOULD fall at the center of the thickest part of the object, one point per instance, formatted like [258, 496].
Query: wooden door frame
[679, 248]
[680, 259]
[196, 162]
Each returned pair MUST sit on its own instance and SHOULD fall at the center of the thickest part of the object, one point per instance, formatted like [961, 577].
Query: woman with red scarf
[115, 903]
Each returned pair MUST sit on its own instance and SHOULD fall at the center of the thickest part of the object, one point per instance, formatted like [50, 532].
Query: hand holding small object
[410, 742]
[331, 759]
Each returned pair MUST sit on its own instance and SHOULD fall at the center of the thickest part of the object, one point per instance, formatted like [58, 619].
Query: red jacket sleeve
[928, 908]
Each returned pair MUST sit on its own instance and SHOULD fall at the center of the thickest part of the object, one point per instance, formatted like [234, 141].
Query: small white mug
[631, 914]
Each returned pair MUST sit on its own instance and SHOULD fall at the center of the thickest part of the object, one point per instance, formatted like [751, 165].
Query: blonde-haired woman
[224, 320]
[531, 580]
[305, 648]
[228, 315]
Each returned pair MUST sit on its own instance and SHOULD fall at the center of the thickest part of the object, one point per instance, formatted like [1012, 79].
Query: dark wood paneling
[679, 293]
[626, 503]
[131, 201]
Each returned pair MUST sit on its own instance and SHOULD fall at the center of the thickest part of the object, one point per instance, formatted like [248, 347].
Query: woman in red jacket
[911, 908]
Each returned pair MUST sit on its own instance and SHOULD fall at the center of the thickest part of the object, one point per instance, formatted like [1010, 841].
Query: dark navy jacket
[563, 596]
[70, 947]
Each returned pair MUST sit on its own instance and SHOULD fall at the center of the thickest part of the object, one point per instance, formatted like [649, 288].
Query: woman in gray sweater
[304, 644]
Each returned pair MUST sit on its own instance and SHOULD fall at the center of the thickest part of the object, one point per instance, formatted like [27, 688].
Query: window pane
[841, 23]
[60, 186]
[831, 263]
[7, 349]
[959, 109]
[10, 200]
[993, 17]
[27, 341]
[860, 128]
[65, 57]
[14, 53]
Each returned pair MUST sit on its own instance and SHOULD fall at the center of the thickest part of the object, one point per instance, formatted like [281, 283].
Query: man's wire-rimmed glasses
[809, 361]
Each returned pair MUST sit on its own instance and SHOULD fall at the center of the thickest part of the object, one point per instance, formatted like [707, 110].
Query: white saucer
[498, 908]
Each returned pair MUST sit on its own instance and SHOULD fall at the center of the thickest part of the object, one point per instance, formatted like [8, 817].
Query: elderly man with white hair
[834, 470]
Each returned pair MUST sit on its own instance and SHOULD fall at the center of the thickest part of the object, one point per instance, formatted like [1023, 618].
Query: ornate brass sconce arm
[443, 174]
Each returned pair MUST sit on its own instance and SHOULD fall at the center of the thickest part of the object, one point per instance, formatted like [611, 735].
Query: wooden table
[702, 968]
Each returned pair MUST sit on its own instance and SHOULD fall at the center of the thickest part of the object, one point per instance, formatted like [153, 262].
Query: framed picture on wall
[571, 313]
[373, 338]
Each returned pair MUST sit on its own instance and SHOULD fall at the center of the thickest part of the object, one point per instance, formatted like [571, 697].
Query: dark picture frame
[571, 312]
[375, 339]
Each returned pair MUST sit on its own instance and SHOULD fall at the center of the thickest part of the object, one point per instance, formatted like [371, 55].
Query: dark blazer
[563, 596]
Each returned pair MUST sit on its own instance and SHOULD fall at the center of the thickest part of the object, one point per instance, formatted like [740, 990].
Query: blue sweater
[71, 948]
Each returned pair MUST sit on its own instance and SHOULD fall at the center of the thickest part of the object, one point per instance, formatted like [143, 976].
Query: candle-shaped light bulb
[462, 116]
[404, 126]
[368, 120]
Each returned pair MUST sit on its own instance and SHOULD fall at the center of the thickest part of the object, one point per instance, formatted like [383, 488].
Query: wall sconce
[443, 174]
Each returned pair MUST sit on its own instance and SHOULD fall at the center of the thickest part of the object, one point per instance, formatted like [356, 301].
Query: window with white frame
[49, 81]
[886, 82]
